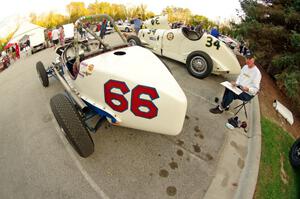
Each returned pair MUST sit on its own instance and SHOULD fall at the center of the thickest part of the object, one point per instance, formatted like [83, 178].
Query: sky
[15, 10]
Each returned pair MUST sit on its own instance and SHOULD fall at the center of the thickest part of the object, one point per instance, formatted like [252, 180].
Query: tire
[42, 74]
[134, 41]
[294, 155]
[126, 29]
[70, 121]
[199, 64]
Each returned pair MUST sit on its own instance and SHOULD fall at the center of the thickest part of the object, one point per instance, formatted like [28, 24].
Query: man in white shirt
[248, 81]
[55, 36]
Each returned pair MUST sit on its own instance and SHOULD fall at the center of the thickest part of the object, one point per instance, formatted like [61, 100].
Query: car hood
[134, 67]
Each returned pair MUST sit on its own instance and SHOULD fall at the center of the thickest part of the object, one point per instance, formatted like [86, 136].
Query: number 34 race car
[126, 85]
[202, 53]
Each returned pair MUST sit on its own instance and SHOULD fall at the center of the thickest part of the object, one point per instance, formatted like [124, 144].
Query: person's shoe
[216, 110]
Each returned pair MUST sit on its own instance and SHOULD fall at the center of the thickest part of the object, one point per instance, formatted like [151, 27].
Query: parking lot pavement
[36, 161]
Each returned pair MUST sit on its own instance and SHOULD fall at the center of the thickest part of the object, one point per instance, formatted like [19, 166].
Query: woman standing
[62, 36]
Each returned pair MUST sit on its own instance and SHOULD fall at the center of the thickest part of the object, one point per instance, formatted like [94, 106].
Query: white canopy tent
[28, 29]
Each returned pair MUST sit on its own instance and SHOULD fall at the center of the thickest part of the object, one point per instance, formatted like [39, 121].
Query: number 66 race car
[126, 85]
[203, 54]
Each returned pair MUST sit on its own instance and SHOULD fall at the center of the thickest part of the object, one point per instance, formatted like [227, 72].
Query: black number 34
[209, 43]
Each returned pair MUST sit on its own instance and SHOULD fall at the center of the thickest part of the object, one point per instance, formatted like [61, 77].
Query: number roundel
[137, 102]
[110, 96]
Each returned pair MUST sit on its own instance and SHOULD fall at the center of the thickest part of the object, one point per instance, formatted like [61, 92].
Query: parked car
[69, 32]
[231, 43]
[203, 54]
[37, 40]
[125, 27]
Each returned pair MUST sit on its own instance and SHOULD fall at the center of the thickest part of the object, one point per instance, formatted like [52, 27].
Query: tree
[99, 8]
[4, 41]
[118, 11]
[272, 28]
[176, 14]
[49, 20]
[204, 21]
[139, 11]
[76, 10]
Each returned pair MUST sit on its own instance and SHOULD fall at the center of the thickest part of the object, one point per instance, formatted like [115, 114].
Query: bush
[295, 40]
[289, 81]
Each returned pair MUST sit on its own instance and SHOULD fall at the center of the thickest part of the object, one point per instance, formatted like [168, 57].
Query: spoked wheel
[72, 125]
[134, 41]
[42, 74]
[199, 64]
[294, 155]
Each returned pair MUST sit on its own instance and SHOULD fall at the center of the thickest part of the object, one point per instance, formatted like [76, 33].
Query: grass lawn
[277, 179]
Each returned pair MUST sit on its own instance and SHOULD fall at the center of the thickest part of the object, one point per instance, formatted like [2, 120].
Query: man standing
[137, 25]
[62, 36]
[103, 28]
[55, 37]
[248, 81]
[214, 32]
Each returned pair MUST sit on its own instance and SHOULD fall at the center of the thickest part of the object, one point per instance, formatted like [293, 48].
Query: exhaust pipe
[77, 99]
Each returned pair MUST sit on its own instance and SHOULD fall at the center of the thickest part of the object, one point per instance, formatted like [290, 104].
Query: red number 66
[119, 103]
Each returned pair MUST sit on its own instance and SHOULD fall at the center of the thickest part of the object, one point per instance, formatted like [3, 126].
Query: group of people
[56, 36]
[13, 52]
[243, 48]
[100, 27]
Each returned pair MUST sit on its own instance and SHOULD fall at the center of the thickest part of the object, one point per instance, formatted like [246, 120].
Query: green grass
[276, 143]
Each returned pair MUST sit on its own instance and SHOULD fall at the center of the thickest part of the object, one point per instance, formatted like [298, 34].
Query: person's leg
[228, 97]
[245, 96]
[136, 31]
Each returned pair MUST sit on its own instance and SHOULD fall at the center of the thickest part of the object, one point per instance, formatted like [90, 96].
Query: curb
[249, 175]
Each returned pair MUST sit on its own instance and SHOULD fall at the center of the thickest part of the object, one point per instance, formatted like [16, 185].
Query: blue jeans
[229, 96]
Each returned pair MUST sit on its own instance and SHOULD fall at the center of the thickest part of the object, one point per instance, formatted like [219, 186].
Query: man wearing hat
[248, 81]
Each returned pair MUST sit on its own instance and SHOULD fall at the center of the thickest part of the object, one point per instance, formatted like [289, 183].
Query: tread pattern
[41, 70]
[69, 119]
[295, 162]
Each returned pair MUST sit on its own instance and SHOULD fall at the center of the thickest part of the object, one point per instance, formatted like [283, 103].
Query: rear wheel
[199, 64]
[72, 125]
[134, 41]
[294, 155]
[42, 74]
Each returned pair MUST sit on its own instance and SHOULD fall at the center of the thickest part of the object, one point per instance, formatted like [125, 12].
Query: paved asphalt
[36, 161]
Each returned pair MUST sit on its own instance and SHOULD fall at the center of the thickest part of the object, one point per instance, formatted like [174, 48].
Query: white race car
[203, 54]
[126, 85]
[231, 43]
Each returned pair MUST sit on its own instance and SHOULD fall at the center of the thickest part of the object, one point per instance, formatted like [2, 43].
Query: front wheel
[42, 74]
[134, 41]
[72, 125]
[199, 64]
[294, 155]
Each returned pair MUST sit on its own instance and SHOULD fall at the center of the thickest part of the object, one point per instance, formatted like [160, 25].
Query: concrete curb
[249, 175]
